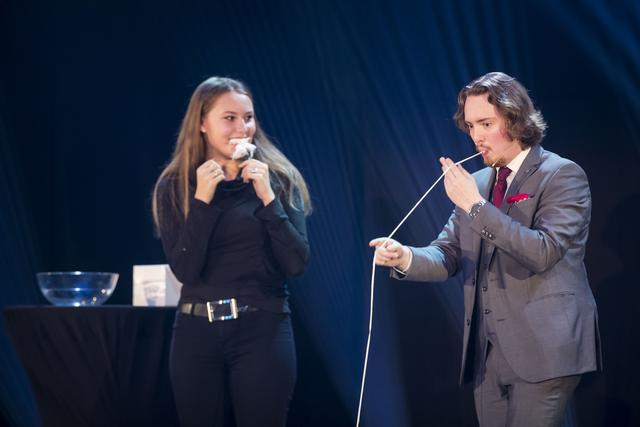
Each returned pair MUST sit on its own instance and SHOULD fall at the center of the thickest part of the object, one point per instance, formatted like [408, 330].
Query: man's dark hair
[512, 101]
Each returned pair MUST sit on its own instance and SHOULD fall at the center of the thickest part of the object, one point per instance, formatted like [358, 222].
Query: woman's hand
[208, 176]
[258, 173]
[392, 254]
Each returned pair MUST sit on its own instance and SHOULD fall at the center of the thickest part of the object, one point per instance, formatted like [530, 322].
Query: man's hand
[392, 254]
[460, 185]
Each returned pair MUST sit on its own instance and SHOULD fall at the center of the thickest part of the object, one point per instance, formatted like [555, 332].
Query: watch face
[475, 209]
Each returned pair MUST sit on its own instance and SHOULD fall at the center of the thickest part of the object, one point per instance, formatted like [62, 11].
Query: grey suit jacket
[546, 317]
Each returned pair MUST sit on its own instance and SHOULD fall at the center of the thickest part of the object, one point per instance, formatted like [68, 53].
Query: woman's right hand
[208, 176]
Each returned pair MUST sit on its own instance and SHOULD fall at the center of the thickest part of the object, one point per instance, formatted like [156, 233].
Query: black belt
[215, 311]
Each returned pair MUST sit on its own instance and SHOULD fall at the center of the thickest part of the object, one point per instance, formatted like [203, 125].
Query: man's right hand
[208, 176]
[391, 254]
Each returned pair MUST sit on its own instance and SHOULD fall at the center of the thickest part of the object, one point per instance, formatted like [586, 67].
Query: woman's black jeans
[250, 360]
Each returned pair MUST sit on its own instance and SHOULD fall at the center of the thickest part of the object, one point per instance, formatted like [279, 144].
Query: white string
[373, 277]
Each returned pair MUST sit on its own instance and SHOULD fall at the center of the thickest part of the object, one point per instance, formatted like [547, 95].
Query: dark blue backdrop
[360, 96]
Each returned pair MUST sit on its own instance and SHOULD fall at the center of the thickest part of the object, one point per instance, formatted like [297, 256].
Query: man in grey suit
[517, 235]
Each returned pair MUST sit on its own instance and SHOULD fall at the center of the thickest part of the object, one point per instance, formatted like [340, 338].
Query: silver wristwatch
[475, 208]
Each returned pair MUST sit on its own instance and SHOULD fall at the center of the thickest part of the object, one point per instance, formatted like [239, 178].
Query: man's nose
[476, 135]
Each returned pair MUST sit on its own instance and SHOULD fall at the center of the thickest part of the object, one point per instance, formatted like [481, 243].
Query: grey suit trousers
[503, 399]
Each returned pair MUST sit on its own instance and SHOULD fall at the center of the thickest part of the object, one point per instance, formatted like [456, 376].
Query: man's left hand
[460, 185]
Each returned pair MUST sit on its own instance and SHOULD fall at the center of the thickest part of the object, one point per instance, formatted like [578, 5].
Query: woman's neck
[230, 167]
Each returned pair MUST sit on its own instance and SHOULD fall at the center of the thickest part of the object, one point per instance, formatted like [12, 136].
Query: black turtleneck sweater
[234, 246]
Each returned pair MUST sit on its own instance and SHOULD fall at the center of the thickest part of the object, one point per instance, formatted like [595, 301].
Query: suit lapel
[485, 181]
[528, 167]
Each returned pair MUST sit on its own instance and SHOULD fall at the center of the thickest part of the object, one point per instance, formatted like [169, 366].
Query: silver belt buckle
[213, 305]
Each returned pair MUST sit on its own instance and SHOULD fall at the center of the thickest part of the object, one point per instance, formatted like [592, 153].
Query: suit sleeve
[287, 232]
[438, 261]
[562, 215]
[185, 240]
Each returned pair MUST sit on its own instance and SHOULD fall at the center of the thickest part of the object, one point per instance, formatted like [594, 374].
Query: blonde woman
[233, 231]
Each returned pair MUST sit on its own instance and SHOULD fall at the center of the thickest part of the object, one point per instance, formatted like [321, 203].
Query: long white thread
[373, 277]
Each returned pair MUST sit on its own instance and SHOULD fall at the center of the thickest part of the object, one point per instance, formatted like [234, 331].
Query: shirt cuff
[404, 273]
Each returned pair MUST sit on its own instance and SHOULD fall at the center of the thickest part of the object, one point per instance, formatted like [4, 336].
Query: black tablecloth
[96, 366]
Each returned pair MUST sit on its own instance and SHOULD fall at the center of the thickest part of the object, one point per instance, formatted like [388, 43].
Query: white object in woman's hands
[244, 148]
[258, 173]
[208, 176]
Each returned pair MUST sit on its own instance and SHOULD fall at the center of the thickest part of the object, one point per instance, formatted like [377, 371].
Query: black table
[96, 366]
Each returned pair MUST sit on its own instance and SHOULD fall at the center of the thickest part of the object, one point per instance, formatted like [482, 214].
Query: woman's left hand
[258, 173]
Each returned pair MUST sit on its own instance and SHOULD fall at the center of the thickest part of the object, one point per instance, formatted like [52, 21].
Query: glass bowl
[76, 288]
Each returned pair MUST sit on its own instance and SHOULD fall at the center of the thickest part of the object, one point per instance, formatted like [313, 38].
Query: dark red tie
[501, 186]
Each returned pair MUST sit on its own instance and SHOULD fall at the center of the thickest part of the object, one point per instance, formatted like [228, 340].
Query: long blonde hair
[190, 153]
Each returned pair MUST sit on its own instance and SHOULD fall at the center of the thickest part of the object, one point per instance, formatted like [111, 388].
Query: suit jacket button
[487, 311]
[484, 289]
